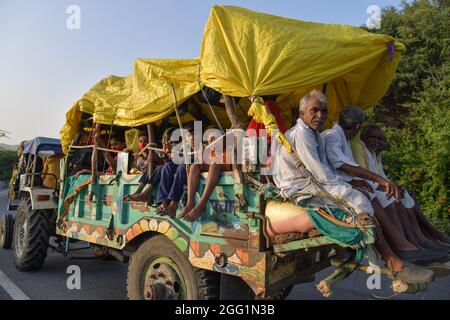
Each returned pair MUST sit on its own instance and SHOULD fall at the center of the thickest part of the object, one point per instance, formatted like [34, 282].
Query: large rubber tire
[6, 230]
[199, 284]
[32, 230]
[282, 295]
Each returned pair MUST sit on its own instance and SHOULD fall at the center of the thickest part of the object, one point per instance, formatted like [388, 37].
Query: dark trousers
[173, 179]
[154, 179]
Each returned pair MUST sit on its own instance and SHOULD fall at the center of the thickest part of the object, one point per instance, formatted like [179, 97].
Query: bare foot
[127, 197]
[140, 197]
[172, 208]
[196, 212]
[187, 209]
[394, 264]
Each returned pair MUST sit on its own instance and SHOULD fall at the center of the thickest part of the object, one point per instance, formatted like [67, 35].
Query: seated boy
[215, 163]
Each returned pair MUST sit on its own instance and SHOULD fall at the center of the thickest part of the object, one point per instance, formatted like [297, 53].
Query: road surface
[106, 280]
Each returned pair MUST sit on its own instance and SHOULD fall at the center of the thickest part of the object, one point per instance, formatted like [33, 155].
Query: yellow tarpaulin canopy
[144, 97]
[249, 53]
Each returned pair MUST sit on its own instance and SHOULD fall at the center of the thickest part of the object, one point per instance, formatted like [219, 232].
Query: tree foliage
[416, 110]
[7, 160]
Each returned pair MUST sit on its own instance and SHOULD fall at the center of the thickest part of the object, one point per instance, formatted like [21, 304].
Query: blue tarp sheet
[41, 144]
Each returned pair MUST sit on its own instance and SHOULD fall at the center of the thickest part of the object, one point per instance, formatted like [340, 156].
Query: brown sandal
[162, 208]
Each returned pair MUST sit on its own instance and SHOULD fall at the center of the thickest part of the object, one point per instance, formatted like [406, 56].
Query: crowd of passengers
[345, 160]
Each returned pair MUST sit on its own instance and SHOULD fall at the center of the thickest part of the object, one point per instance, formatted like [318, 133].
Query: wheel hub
[163, 281]
[20, 237]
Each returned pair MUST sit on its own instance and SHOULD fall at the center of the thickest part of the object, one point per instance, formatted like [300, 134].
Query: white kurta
[377, 166]
[310, 147]
[339, 152]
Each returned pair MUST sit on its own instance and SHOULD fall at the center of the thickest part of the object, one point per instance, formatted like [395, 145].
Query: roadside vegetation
[416, 111]
[7, 160]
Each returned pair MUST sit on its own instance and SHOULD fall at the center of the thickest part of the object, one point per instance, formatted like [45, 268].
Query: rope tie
[209, 104]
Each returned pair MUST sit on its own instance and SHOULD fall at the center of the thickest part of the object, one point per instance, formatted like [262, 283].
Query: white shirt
[338, 150]
[310, 147]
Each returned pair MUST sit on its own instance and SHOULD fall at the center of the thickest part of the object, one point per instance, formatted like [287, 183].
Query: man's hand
[167, 148]
[402, 191]
[361, 184]
[392, 190]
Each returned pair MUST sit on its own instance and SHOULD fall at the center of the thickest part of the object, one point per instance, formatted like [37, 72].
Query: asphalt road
[106, 280]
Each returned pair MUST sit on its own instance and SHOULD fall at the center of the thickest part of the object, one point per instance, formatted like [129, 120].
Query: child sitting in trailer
[214, 162]
[173, 176]
[217, 160]
[147, 183]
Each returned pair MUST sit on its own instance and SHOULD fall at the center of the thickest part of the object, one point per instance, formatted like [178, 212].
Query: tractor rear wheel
[158, 270]
[6, 230]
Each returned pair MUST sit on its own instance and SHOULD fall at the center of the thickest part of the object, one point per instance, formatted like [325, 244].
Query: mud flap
[234, 288]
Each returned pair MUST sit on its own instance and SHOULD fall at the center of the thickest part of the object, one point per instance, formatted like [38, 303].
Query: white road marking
[14, 292]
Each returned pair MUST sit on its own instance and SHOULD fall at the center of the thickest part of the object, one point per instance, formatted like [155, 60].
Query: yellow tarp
[144, 97]
[248, 53]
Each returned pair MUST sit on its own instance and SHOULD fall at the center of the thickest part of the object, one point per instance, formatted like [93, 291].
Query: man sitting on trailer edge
[367, 153]
[381, 191]
[316, 191]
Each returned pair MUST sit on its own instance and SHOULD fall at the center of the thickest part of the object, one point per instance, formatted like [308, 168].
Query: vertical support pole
[94, 166]
[34, 169]
[151, 141]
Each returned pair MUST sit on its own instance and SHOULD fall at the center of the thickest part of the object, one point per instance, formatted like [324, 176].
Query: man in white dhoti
[382, 192]
[367, 153]
[295, 184]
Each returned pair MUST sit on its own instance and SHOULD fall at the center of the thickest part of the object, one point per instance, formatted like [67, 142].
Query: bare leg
[172, 208]
[139, 190]
[193, 180]
[390, 230]
[410, 218]
[394, 215]
[213, 177]
[144, 196]
[393, 262]
[410, 233]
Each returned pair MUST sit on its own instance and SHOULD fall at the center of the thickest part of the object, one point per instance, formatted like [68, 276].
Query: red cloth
[273, 109]
[110, 169]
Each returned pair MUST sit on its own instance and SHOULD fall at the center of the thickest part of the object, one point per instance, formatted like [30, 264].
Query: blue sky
[45, 67]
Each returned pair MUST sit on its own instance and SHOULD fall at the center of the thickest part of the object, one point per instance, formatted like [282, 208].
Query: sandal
[162, 208]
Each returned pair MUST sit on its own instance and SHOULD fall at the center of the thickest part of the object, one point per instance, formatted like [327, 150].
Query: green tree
[7, 160]
[415, 111]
